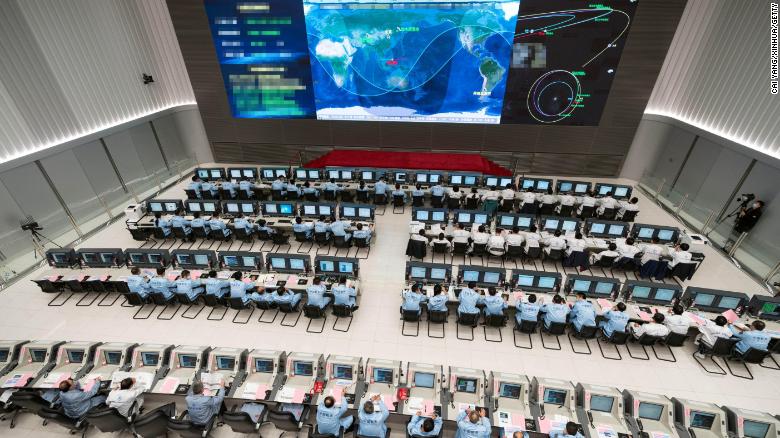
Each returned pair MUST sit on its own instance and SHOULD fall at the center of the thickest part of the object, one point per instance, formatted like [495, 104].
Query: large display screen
[457, 61]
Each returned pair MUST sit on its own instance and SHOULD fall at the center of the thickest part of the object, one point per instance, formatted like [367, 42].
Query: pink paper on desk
[544, 425]
[292, 281]
[169, 385]
[172, 277]
[88, 386]
[246, 280]
[730, 315]
[104, 277]
[336, 394]
[644, 316]
[518, 296]
[196, 274]
[428, 407]
[298, 396]
[518, 420]
[389, 402]
[53, 277]
[17, 380]
[260, 393]
[695, 318]
[605, 304]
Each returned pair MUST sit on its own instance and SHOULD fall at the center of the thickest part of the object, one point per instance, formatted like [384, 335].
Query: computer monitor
[203, 173]
[650, 411]
[233, 208]
[469, 180]
[201, 260]
[523, 222]
[755, 429]
[112, 357]
[264, 365]
[325, 210]
[421, 177]
[247, 208]
[664, 294]
[327, 266]
[278, 263]
[75, 356]
[565, 187]
[616, 230]
[270, 208]
[568, 225]
[107, 257]
[491, 277]
[231, 261]
[226, 362]
[300, 173]
[470, 276]
[604, 288]
[437, 216]
[525, 280]
[621, 191]
[348, 211]
[364, 212]
[4, 352]
[466, 385]
[603, 190]
[456, 179]
[580, 188]
[367, 176]
[156, 206]
[464, 218]
[702, 420]
[297, 264]
[268, 173]
[645, 233]
[310, 210]
[383, 375]
[546, 282]
[216, 173]
[491, 181]
[665, 235]
[554, 397]
[285, 208]
[509, 390]
[235, 173]
[528, 183]
[703, 300]
[89, 257]
[424, 380]
[581, 285]
[504, 181]
[280, 172]
[314, 174]
[183, 259]
[193, 206]
[149, 359]
[434, 178]
[37, 354]
[249, 262]
[302, 368]
[249, 173]
[136, 258]
[601, 403]
[480, 219]
[542, 185]
[342, 371]
[171, 207]
[506, 221]
[155, 258]
[438, 274]
[417, 272]
[729, 302]
[640, 292]
[346, 174]
[400, 177]
[346, 267]
[597, 228]
[551, 224]
[188, 360]
[211, 207]
[422, 215]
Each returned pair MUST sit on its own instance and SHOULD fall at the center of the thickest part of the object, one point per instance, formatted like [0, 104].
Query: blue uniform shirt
[217, 286]
[554, 313]
[495, 305]
[380, 188]
[196, 187]
[339, 228]
[179, 222]
[161, 285]
[187, 286]
[279, 185]
[751, 339]
[76, 403]
[412, 301]
[304, 227]
[292, 188]
[308, 190]
[288, 297]
[329, 420]
[438, 303]
[230, 187]
[364, 233]
[527, 311]
[468, 301]
[217, 225]
[208, 189]
[415, 426]
[246, 186]
[417, 193]
[563, 434]
[467, 429]
[322, 227]
[165, 225]
[238, 289]
[343, 295]
[373, 425]
[333, 187]
[315, 295]
[614, 321]
[241, 222]
[437, 191]
[584, 315]
[400, 193]
[198, 222]
[137, 284]
[200, 408]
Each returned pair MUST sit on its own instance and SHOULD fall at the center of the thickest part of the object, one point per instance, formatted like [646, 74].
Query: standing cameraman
[748, 217]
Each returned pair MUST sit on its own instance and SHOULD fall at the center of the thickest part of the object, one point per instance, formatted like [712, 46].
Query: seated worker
[162, 223]
[680, 254]
[300, 227]
[218, 227]
[475, 196]
[246, 187]
[577, 244]
[627, 250]
[438, 302]
[187, 286]
[239, 288]
[514, 238]
[198, 222]
[572, 431]
[263, 296]
[161, 284]
[279, 184]
[315, 294]
[330, 418]
[627, 206]
[321, 226]
[123, 398]
[751, 337]
[548, 199]
[528, 311]
[195, 186]
[200, 407]
[209, 190]
[710, 332]
[137, 283]
[479, 235]
[380, 188]
[293, 190]
[565, 199]
[473, 424]
[615, 320]
[362, 232]
[460, 235]
[263, 228]
[586, 200]
[424, 426]
[344, 295]
[372, 423]
[607, 202]
[490, 200]
[582, 313]
[532, 238]
[285, 296]
[217, 286]
[331, 186]
[676, 322]
[508, 194]
[418, 192]
[554, 242]
[178, 221]
[555, 311]
[527, 198]
[652, 251]
[412, 299]
[341, 229]
[441, 240]
[468, 300]
[655, 328]
[420, 236]
[453, 193]
[437, 191]
[309, 190]
[610, 252]
[76, 402]
[399, 192]
[240, 222]
[495, 304]
[362, 189]
[497, 244]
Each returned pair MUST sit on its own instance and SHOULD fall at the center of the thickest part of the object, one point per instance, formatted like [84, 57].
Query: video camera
[29, 224]
[745, 198]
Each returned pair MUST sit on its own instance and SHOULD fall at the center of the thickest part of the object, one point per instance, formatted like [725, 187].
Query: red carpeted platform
[409, 160]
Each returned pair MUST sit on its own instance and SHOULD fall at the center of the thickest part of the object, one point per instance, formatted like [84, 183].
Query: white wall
[73, 67]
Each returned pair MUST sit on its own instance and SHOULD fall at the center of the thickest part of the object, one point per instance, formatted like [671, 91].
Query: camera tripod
[39, 243]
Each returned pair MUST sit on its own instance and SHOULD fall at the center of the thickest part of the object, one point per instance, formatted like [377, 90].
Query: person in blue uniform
[582, 313]
[473, 424]
[230, 187]
[321, 226]
[303, 227]
[527, 311]
[246, 187]
[195, 186]
[208, 190]
[571, 431]
[399, 192]
[161, 284]
[137, 283]
[555, 311]
[330, 418]
[370, 422]
[178, 221]
[424, 426]
[615, 319]
[438, 302]
[293, 190]
[752, 337]
[412, 299]
[315, 294]
[285, 296]
[380, 188]
[162, 223]
[218, 227]
[187, 286]
[437, 191]
[262, 227]
[344, 295]
[217, 286]
[242, 223]
[77, 402]
[494, 303]
[469, 298]
[417, 192]
[309, 190]
[200, 407]
[341, 228]
[362, 233]
[279, 184]
[331, 186]
[199, 222]
[241, 289]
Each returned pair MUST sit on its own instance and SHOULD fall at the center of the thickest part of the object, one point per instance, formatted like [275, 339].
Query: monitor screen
[216, 173]
[504, 182]
[603, 190]
[729, 302]
[438, 216]
[466, 385]
[464, 218]
[303, 368]
[702, 420]
[400, 177]
[434, 178]
[650, 411]
[383, 375]
[314, 174]
[601, 403]
[417, 272]
[171, 207]
[278, 262]
[188, 360]
[270, 208]
[280, 172]
[470, 276]
[247, 208]
[368, 176]
[107, 257]
[621, 191]
[193, 206]
[640, 292]
[136, 258]
[226, 362]
[509, 390]
[300, 173]
[703, 300]
[565, 187]
[268, 173]
[438, 273]
[346, 174]
[285, 208]
[297, 264]
[754, 429]
[327, 266]
[203, 173]
[569, 225]
[491, 181]
[155, 258]
[230, 260]
[581, 285]
[469, 180]
[528, 183]
[155, 206]
[506, 221]
[346, 267]
[770, 309]
[664, 294]
[149, 359]
[348, 211]
[525, 280]
[597, 228]
[554, 397]
[201, 259]
[491, 277]
[542, 185]
[249, 261]
[665, 235]
[616, 230]
[325, 210]
[37, 355]
[480, 219]
[421, 177]
[112, 357]
[310, 209]
[580, 188]
[523, 222]
[183, 259]
[604, 288]
[364, 212]
[248, 173]
[264, 365]
[342, 372]
[424, 380]
[75, 356]
[89, 257]
[233, 208]
[645, 233]
[210, 207]
[551, 224]
[422, 215]
[456, 179]
[547, 282]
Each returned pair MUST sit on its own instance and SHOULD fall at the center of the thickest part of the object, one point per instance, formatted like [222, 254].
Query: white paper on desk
[224, 275]
[287, 393]
[250, 389]
[145, 379]
[415, 404]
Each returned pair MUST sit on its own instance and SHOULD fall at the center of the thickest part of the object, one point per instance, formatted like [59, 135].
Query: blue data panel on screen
[431, 61]
[263, 55]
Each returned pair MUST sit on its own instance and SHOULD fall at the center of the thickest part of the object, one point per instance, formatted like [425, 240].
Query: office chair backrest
[154, 422]
[242, 233]
[191, 194]
[723, 346]
[514, 250]
[609, 213]
[555, 254]
[495, 320]
[237, 303]
[588, 332]
[546, 209]
[263, 235]
[468, 318]
[648, 340]
[398, 200]
[321, 237]
[345, 196]
[300, 236]
[159, 233]
[280, 238]
[342, 310]
[59, 417]
[187, 429]
[276, 195]
[134, 299]
[340, 242]
[211, 300]
[329, 195]
[440, 248]
[557, 328]
[159, 299]
[629, 216]
[437, 202]
[265, 305]
[566, 210]
[459, 247]
[313, 312]
[605, 262]
[753, 355]
[286, 307]
[527, 326]
[242, 194]
[410, 315]
[29, 401]
[534, 252]
[479, 249]
[283, 420]
[472, 203]
[312, 197]
[201, 232]
[107, 419]
[675, 339]
[417, 201]
[360, 242]
[453, 203]
[618, 337]
[684, 271]
[362, 196]
[587, 211]
[437, 316]
[179, 232]
[240, 422]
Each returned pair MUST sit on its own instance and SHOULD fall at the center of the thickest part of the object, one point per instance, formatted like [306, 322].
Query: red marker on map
[392, 62]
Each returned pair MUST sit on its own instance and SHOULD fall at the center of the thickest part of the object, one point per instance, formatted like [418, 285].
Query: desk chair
[265, 237]
[154, 422]
[362, 196]
[472, 203]
[466, 319]
[311, 197]
[214, 302]
[478, 250]
[159, 300]
[26, 400]
[141, 235]
[184, 300]
[341, 242]
[242, 422]
[527, 327]
[721, 348]
[182, 235]
[585, 333]
[191, 194]
[617, 338]
[532, 253]
[322, 239]
[506, 205]
[683, 271]
[135, 299]
[227, 194]
[398, 201]
[494, 321]
[302, 238]
[329, 195]
[416, 249]
[244, 196]
[418, 201]
[289, 309]
[237, 303]
[459, 249]
[644, 341]
[440, 248]
[500, 253]
[277, 195]
[556, 255]
[347, 196]
[202, 233]
[55, 288]
[342, 311]
[437, 317]
[528, 208]
[546, 209]
[753, 356]
[565, 210]
[513, 252]
[51, 415]
[360, 243]
[279, 240]
[556, 329]
[267, 306]
[437, 201]
[629, 216]
[316, 433]
[258, 194]
[410, 316]
[577, 259]
[188, 429]
[656, 269]
[608, 214]
[293, 196]
[244, 235]
[315, 312]
[452, 203]
[109, 420]
[380, 200]
[671, 340]
[604, 262]
[285, 421]
[588, 211]
[159, 234]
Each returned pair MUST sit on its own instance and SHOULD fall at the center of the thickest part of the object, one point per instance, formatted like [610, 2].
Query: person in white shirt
[577, 244]
[460, 235]
[586, 201]
[122, 398]
[548, 198]
[478, 235]
[565, 199]
[527, 198]
[497, 243]
[420, 236]
[626, 248]
[710, 332]
[415, 227]
[514, 238]
[606, 202]
[508, 193]
[490, 195]
[676, 322]
[627, 206]
[610, 252]
[441, 240]
[455, 193]
[532, 238]
[554, 242]
[652, 251]
[655, 328]
[680, 254]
